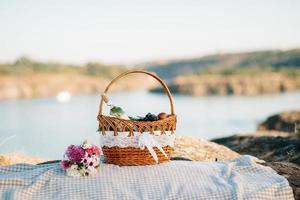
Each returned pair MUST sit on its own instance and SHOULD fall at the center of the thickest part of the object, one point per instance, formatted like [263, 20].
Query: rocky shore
[191, 148]
[280, 149]
[271, 146]
[247, 85]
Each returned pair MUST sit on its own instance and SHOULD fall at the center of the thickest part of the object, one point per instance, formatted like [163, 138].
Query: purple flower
[65, 164]
[75, 153]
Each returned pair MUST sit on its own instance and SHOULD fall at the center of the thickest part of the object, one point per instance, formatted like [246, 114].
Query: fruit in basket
[162, 115]
[151, 117]
[116, 111]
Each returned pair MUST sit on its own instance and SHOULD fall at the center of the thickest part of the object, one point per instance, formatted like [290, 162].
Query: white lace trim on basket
[122, 139]
[139, 140]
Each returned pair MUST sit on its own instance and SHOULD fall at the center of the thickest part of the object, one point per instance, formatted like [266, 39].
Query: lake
[44, 127]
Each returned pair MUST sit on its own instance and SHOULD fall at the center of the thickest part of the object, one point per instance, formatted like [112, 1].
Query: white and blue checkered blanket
[241, 178]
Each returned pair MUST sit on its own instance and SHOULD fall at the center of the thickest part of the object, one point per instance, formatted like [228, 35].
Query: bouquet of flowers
[81, 160]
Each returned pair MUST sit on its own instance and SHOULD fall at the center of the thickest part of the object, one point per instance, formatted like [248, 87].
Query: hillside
[27, 66]
[275, 60]
[251, 73]
[234, 84]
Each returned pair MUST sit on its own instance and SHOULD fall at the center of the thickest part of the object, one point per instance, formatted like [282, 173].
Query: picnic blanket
[241, 178]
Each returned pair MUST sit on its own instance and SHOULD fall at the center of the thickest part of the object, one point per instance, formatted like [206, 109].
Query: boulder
[271, 146]
[200, 149]
[284, 121]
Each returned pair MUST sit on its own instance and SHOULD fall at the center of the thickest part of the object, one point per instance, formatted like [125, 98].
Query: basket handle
[166, 89]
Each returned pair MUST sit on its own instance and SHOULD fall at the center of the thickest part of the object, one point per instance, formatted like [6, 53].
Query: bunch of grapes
[150, 117]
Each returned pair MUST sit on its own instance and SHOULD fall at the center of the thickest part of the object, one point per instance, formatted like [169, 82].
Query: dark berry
[150, 117]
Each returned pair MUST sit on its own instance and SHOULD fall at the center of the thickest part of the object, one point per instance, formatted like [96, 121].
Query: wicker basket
[128, 155]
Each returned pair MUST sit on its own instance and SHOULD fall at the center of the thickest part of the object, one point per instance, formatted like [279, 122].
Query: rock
[281, 122]
[200, 149]
[270, 146]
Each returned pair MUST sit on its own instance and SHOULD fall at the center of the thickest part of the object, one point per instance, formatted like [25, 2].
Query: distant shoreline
[241, 85]
[41, 85]
[44, 85]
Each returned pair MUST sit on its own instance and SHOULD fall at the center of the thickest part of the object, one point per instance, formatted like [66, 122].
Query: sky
[132, 31]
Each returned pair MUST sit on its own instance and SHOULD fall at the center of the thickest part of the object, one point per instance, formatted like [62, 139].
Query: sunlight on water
[44, 127]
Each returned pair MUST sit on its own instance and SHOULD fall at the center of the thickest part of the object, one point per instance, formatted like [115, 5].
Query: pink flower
[93, 150]
[65, 164]
[75, 153]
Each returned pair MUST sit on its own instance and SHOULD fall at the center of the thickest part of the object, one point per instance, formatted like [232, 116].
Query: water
[44, 127]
